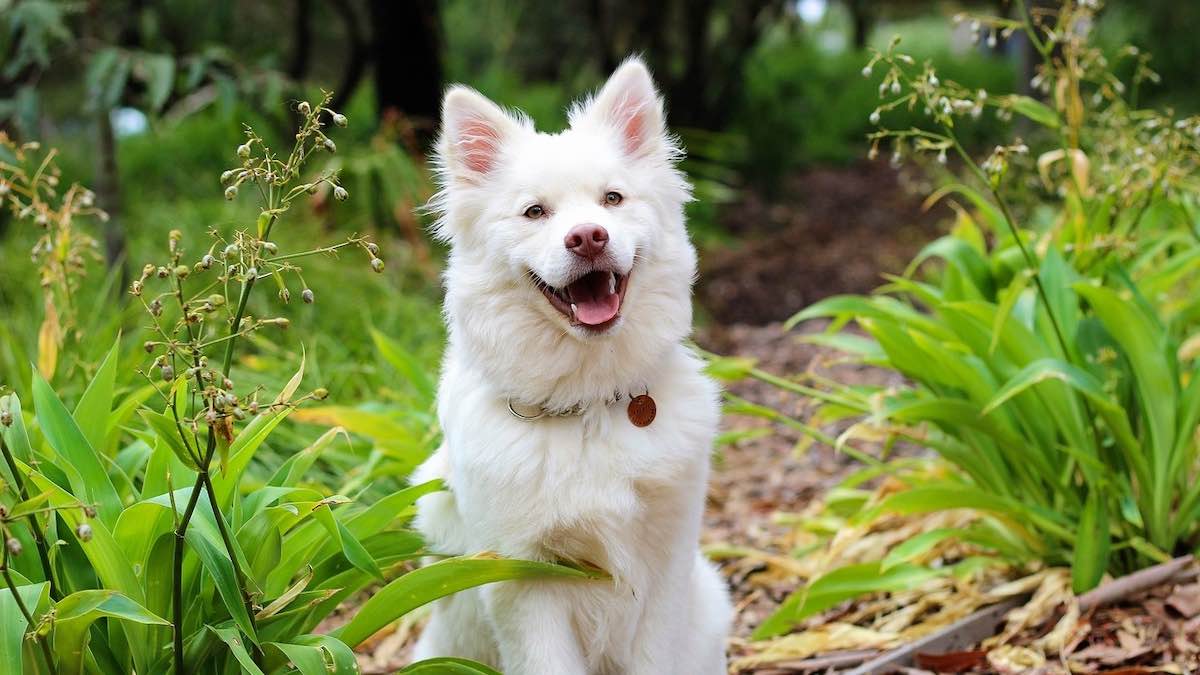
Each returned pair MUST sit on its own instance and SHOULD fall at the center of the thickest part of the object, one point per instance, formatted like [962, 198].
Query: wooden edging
[983, 623]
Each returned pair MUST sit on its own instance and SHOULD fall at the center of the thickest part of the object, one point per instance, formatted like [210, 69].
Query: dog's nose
[587, 240]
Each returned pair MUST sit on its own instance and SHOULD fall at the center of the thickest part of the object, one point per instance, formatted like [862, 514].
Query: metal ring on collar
[527, 418]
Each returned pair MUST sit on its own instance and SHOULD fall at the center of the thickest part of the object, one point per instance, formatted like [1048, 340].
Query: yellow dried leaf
[49, 339]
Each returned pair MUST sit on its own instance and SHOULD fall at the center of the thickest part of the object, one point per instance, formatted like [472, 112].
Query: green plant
[135, 539]
[1052, 356]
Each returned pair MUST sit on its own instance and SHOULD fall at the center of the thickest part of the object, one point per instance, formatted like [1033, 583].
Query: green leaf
[351, 548]
[167, 432]
[1034, 110]
[319, 655]
[961, 255]
[91, 413]
[107, 74]
[72, 446]
[75, 614]
[917, 546]
[13, 624]
[158, 72]
[440, 579]
[230, 637]
[447, 666]
[730, 368]
[838, 586]
[404, 362]
[1092, 545]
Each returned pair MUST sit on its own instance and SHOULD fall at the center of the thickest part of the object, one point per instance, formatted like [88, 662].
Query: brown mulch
[831, 230]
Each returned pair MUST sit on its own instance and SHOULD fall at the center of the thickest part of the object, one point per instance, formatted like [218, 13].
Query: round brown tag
[642, 410]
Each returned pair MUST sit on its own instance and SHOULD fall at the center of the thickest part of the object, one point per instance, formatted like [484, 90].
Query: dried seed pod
[89, 511]
[14, 545]
[6, 418]
[320, 393]
[168, 373]
[148, 346]
[340, 194]
[285, 295]
[377, 265]
[84, 532]
[340, 120]
[243, 150]
[303, 108]
[307, 296]
[231, 192]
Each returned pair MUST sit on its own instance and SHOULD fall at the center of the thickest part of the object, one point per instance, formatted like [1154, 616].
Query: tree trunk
[861, 17]
[406, 53]
[301, 41]
[108, 190]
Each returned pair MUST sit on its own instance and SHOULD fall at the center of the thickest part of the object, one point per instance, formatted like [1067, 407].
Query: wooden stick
[957, 636]
[1132, 584]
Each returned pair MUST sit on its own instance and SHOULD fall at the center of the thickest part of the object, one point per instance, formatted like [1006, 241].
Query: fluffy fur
[589, 487]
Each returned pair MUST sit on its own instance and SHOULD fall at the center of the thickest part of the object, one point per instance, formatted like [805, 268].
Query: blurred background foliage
[146, 99]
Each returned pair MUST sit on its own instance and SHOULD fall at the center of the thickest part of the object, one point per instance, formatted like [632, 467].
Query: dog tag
[642, 410]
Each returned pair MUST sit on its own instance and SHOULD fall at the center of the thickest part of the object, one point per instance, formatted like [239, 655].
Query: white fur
[590, 487]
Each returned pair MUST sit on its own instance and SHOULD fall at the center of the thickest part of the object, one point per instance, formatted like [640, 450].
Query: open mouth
[593, 301]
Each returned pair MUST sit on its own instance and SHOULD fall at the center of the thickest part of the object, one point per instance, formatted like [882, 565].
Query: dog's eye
[613, 198]
[535, 211]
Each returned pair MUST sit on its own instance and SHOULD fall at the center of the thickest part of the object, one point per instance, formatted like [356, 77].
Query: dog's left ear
[629, 104]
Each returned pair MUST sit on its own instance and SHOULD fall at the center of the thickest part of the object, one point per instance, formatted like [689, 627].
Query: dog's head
[569, 253]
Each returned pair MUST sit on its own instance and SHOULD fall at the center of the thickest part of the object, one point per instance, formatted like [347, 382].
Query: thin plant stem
[12, 586]
[202, 482]
[247, 598]
[180, 533]
[39, 539]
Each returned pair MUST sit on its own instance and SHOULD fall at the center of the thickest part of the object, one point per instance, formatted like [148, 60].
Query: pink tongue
[594, 304]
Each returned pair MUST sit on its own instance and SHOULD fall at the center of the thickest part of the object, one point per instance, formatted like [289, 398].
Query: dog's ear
[629, 104]
[473, 131]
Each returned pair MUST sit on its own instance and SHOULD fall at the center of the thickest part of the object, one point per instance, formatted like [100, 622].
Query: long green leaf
[447, 666]
[91, 413]
[73, 447]
[75, 614]
[440, 579]
[1092, 546]
[13, 624]
[838, 586]
[319, 655]
[237, 647]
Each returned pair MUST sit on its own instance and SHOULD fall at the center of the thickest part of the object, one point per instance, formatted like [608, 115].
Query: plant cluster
[30, 189]
[1051, 357]
[134, 539]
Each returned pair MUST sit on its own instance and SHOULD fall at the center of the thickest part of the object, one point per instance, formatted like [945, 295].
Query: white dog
[577, 426]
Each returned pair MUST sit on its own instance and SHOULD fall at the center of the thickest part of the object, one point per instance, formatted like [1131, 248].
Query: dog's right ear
[473, 132]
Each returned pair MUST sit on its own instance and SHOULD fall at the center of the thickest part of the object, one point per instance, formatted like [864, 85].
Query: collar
[536, 411]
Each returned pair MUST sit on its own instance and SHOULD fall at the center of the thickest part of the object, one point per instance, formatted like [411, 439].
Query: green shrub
[1052, 355]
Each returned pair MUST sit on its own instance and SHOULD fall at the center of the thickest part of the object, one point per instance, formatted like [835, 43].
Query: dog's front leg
[534, 629]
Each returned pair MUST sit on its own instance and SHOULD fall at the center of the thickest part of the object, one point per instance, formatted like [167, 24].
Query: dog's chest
[583, 486]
